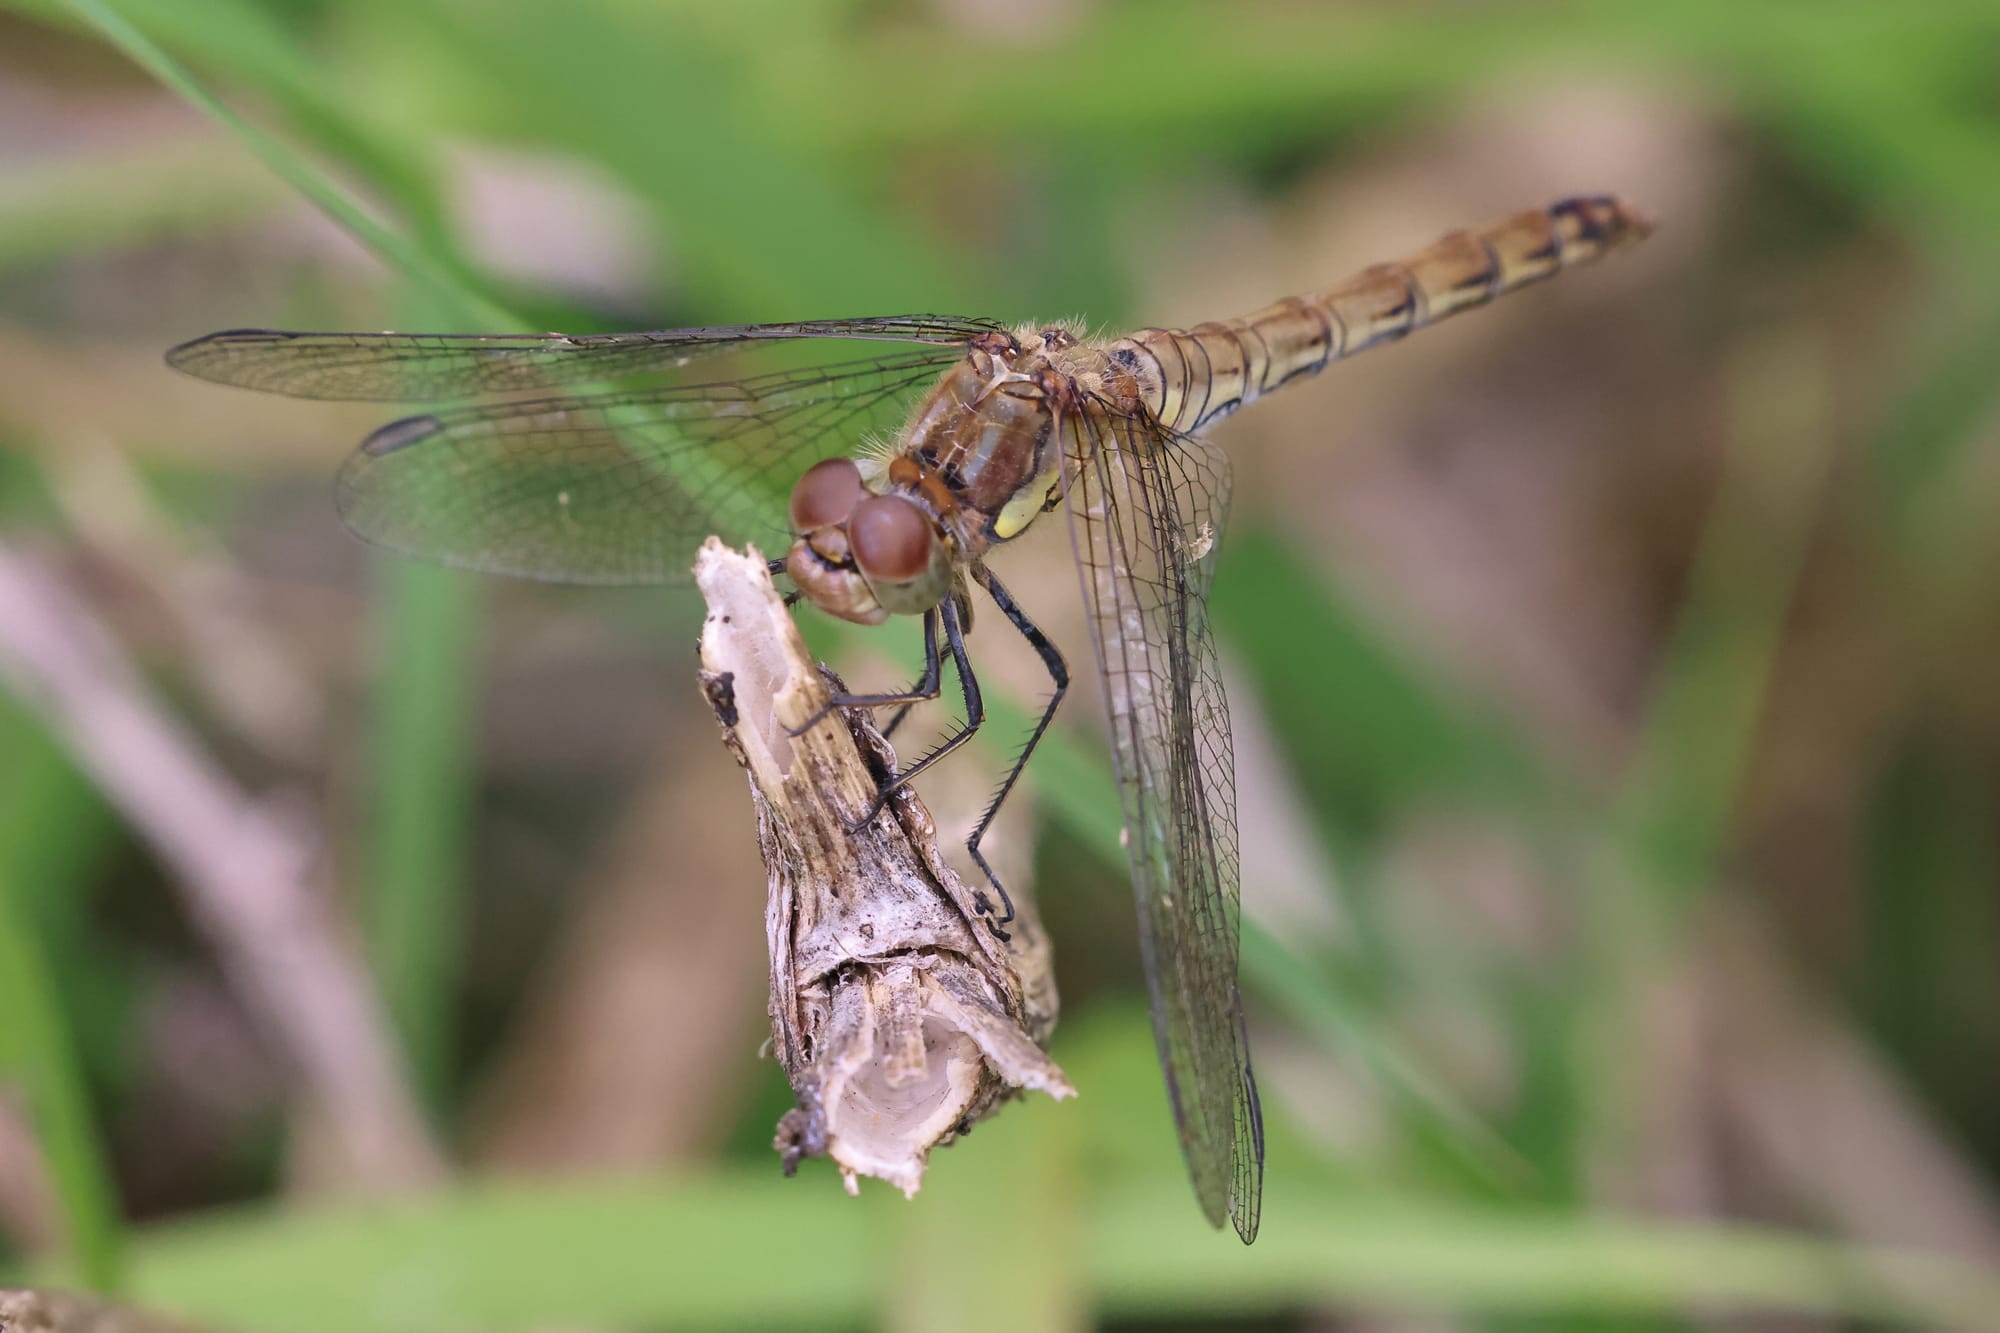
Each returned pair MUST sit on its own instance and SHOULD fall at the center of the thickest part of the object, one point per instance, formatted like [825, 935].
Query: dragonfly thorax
[978, 460]
[990, 432]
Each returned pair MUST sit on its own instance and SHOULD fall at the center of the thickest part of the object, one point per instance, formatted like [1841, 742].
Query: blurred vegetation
[1621, 761]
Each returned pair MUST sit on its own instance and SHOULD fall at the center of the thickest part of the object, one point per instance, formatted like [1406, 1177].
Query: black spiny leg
[896, 718]
[777, 567]
[975, 710]
[928, 682]
[1052, 658]
[925, 688]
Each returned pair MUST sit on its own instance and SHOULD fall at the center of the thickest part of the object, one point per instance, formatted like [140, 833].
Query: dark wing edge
[426, 367]
[1146, 510]
[618, 488]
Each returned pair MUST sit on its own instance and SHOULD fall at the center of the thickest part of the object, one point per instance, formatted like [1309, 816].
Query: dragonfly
[889, 457]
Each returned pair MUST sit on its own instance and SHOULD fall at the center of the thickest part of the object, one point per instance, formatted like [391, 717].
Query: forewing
[1146, 511]
[618, 488]
[434, 367]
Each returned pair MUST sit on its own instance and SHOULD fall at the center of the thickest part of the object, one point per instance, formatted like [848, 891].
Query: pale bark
[899, 1013]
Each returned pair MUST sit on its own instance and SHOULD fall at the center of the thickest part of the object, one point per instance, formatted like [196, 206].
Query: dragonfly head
[860, 556]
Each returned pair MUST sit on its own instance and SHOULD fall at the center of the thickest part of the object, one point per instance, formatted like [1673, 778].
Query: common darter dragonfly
[913, 446]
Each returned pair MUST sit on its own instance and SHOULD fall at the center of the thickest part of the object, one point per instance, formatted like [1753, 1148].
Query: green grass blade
[420, 800]
[1332, 1252]
[1715, 681]
[744, 1248]
[37, 1050]
[1345, 1028]
[440, 275]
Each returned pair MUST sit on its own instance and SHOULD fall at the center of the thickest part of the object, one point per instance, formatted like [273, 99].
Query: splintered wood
[899, 1016]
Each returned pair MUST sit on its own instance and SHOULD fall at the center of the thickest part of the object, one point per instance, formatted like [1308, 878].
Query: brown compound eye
[826, 494]
[892, 539]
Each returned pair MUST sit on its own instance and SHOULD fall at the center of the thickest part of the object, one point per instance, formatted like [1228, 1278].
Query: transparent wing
[427, 367]
[619, 487]
[1146, 510]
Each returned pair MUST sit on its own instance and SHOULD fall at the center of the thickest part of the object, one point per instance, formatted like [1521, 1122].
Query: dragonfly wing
[430, 367]
[619, 488]
[1146, 509]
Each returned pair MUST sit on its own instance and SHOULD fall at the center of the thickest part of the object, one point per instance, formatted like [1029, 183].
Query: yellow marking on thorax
[1029, 501]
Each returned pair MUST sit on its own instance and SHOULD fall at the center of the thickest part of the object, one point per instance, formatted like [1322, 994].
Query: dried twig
[243, 875]
[899, 1014]
[64, 1312]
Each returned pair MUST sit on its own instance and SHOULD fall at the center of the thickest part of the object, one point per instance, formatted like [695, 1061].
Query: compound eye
[892, 539]
[826, 494]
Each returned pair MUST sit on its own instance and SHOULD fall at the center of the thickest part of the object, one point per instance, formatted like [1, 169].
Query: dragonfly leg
[1058, 670]
[975, 710]
[775, 568]
[902, 711]
[925, 688]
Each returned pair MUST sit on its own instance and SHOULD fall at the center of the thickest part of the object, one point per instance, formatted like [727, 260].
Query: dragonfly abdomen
[1202, 374]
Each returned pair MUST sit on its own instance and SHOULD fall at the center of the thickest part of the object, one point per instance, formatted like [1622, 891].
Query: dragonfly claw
[794, 733]
[868, 816]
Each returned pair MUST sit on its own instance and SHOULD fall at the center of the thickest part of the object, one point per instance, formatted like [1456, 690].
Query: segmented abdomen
[1191, 377]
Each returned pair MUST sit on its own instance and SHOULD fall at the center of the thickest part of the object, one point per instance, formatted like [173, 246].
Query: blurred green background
[1613, 670]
